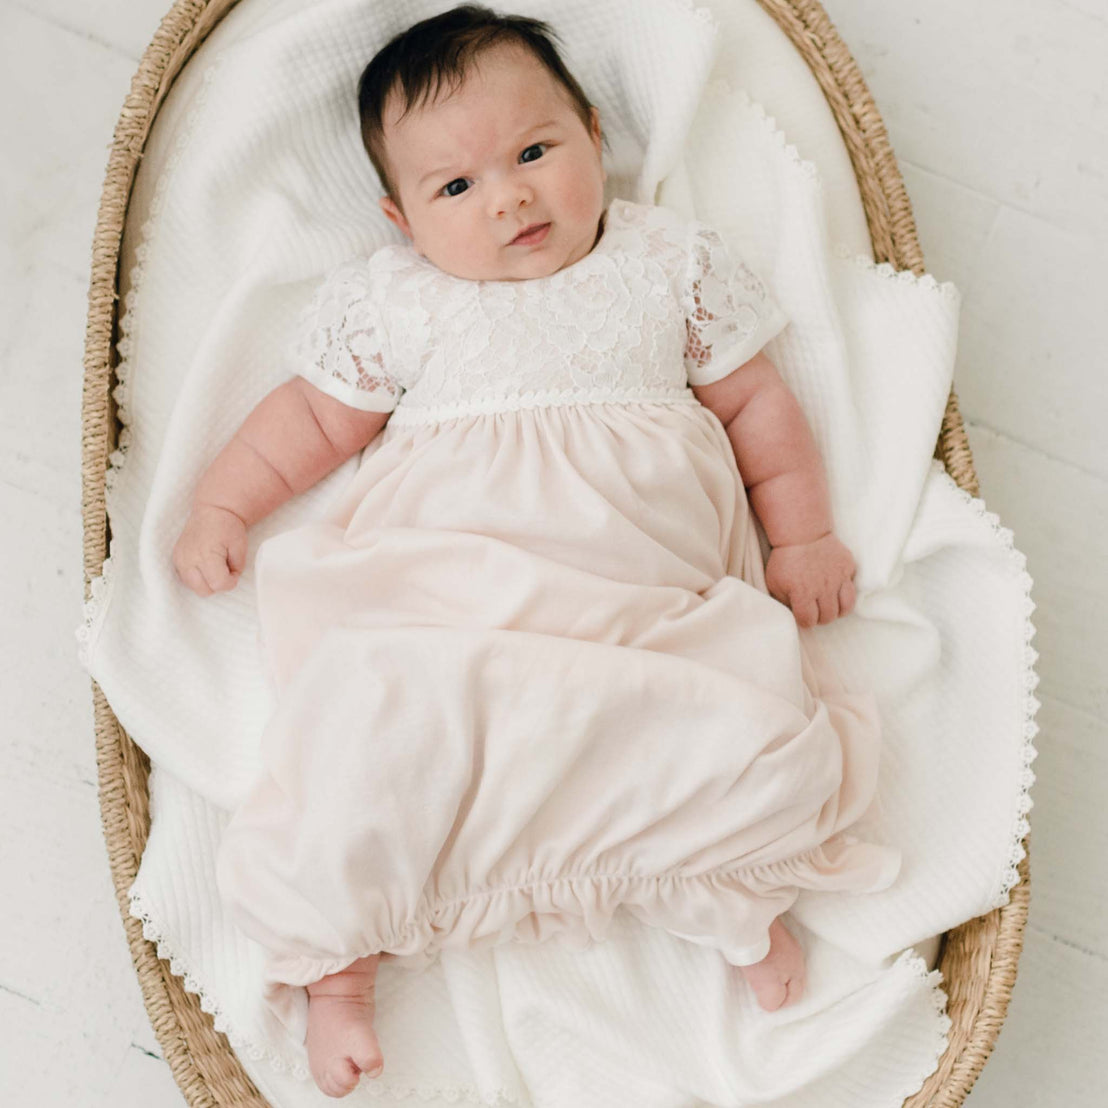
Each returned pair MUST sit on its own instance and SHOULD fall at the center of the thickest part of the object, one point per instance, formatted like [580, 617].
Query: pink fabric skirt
[527, 674]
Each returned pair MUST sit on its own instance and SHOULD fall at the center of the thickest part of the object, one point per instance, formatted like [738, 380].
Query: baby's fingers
[828, 607]
[805, 609]
[847, 596]
[236, 554]
[194, 579]
[217, 572]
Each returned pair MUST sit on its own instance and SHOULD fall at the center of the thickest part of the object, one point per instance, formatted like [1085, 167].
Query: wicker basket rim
[979, 959]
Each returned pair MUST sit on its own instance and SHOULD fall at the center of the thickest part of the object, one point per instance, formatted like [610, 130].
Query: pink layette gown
[526, 668]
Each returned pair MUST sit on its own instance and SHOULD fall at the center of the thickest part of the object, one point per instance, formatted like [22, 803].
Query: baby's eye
[540, 146]
[448, 188]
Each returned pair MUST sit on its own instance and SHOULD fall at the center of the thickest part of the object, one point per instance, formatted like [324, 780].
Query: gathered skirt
[527, 674]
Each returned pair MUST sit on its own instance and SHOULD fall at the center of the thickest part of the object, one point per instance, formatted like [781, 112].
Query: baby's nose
[510, 197]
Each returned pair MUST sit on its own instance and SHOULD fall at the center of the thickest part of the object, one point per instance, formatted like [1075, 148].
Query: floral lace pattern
[656, 305]
[726, 306]
[342, 344]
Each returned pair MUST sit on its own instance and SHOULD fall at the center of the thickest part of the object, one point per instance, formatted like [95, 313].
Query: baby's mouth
[536, 232]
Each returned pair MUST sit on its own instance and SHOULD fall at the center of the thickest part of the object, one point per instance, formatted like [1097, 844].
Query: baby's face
[504, 152]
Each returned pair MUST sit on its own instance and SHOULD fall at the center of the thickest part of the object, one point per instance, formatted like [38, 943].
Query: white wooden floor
[998, 112]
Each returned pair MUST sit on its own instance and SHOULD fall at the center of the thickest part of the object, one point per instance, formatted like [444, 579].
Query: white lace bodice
[657, 305]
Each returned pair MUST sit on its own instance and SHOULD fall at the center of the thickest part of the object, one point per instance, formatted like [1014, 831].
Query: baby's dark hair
[438, 51]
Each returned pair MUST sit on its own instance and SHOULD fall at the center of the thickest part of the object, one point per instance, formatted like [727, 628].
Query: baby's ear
[389, 207]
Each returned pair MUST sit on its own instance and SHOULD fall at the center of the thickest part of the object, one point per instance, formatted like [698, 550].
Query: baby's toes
[771, 995]
[366, 1053]
[339, 1078]
[795, 989]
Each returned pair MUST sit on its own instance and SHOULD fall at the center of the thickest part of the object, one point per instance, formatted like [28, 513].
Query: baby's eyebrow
[522, 134]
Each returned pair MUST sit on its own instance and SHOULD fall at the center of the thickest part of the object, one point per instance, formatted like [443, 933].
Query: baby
[572, 489]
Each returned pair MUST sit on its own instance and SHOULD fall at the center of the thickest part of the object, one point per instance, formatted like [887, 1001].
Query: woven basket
[978, 959]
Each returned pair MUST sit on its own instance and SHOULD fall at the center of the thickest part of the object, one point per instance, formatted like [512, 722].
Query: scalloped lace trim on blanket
[246, 1047]
[1029, 679]
[914, 963]
[705, 15]
[99, 588]
[946, 290]
[720, 88]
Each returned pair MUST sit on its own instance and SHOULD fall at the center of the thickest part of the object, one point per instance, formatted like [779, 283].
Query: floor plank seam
[1062, 941]
[86, 36]
[978, 425]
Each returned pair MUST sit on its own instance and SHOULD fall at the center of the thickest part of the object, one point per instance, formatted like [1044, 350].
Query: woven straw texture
[978, 959]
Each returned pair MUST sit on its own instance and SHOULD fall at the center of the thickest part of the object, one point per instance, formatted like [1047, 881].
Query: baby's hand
[816, 579]
[211, 552]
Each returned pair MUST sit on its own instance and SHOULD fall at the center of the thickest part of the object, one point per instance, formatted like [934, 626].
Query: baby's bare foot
[778, 979]
[342, 1044]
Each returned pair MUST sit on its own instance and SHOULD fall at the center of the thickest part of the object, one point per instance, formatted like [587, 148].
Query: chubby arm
[292, 439]
[809, 568]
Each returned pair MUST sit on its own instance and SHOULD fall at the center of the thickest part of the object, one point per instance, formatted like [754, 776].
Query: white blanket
[263, 186]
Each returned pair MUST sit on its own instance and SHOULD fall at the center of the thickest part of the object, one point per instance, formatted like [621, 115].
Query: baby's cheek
[469, 250]
[582, 198]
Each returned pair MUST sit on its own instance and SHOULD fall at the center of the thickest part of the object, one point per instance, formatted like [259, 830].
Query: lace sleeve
[728, 310]
[342, 345]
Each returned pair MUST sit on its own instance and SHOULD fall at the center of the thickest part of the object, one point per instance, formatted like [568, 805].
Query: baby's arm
[809, 568]
[294, 437]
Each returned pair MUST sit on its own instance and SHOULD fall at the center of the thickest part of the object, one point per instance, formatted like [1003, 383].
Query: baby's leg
[342, 1044]
[778, 979]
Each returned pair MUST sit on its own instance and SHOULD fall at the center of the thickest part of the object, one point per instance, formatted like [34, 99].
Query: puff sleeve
[728, 310]
[341, 343]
